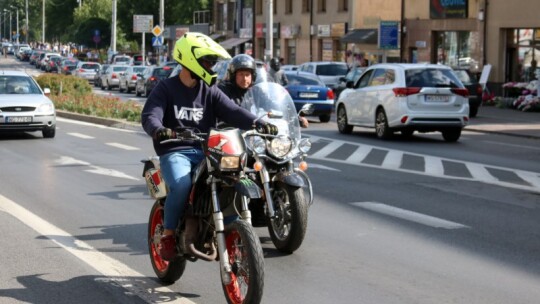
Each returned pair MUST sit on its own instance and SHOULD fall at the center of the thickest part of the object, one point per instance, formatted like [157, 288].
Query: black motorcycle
[279, 166]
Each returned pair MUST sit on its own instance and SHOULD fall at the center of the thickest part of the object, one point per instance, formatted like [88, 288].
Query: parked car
[470, 81]
[329, 71]
[121, 59]
[25, 107]
[138, 60]
[67, 66]
[289, 67]
[25, 56]
[128, 79]
[35, 56]
[309, 88]
[52, 65]
[147, 81]
[44, 59]
[97, 76]
[405, 98]
[111, 77]
[349, 80]
[86, 70]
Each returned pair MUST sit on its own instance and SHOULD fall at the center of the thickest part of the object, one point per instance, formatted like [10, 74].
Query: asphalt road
[402, 221]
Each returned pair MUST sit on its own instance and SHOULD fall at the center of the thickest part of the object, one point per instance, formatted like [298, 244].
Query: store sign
[388, 35]
[290, 31]
[260, 30]
[447, 9]
[338, 29]
[323, 30]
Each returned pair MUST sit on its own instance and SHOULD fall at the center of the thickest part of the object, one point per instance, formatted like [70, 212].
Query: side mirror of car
[47, 91]
[342, 79]
[350, 84]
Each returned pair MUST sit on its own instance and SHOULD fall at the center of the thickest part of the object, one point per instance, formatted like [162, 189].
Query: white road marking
[511, 145]
[310, 165]
[122, 146]
[531, 177]
[83, 123]
[83, 136]
[409, 215]
[393, 159]
[329, 148]
[66, 161]
[360, 154]
[115, 271]
[433, 165]
[480, 173]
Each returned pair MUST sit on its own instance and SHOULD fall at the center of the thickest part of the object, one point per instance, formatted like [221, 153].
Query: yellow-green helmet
[198, 53]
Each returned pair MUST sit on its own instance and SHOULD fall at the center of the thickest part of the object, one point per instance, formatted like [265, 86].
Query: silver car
[24, 106]
[111, 77]
[86, 70]
[128, 80]
[405, 98]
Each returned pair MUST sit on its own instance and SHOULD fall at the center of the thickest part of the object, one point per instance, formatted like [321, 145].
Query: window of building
[306, 6]
[274, 6]
[343, 5]
[321, 6]
[288, 6]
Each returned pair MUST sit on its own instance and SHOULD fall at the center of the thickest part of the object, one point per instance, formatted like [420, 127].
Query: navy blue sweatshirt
[171, 104]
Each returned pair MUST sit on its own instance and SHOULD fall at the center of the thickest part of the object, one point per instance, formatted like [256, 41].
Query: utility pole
[269, 30]
[162, 25]
[113, 28]
[43, 24]
[26, 24]
[17, 35]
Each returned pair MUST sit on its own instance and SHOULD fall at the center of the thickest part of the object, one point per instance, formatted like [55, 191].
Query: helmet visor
[207, 62]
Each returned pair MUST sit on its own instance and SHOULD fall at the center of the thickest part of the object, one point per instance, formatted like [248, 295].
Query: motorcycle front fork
[225, 266]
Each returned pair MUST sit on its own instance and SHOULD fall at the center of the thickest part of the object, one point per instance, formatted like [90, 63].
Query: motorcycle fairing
[290, 178]
[246, 187]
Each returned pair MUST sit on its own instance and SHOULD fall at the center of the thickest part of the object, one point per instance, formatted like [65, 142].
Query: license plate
[308, 95]
[18, 119]
[437, 98]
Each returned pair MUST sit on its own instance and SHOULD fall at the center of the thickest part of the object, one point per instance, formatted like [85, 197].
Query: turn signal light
[257, 166]
[303, 166]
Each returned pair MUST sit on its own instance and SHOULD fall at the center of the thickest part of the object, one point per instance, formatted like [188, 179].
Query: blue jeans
[176, 168]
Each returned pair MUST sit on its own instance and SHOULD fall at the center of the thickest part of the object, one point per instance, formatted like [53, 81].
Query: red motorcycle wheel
[167, 271]
[247, 261]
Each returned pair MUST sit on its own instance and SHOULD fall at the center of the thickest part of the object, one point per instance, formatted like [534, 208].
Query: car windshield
[295, 79]
[122, 59]
[162, 72]
[331, 69]
[18, 85]
[119, 69]
[88, 66]
[434, 78]
[138, 70]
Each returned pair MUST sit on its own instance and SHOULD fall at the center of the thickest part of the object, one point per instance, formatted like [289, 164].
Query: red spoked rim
[155, 224]
[238, 288]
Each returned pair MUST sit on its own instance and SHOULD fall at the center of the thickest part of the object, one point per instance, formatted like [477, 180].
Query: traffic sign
[143, 23]
[157, 30]
[157, 41]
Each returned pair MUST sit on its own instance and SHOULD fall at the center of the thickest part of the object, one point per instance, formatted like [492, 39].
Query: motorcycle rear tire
[247, 261]
[288, 229]
[167, 272]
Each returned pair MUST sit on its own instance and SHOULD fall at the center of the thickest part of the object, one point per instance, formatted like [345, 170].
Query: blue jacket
[171, 104]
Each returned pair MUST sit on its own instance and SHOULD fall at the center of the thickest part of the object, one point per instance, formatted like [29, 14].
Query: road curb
[109, 122]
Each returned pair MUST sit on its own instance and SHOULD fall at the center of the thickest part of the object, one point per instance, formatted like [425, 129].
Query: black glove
[164, 134]
[266, 128]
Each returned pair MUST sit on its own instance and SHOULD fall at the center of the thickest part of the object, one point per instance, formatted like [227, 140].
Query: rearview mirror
[350, 84]
[307, 109]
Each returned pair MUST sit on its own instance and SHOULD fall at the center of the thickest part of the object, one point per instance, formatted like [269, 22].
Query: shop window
[321, 6]
[306, 6]
[288, 6]
[456, 49]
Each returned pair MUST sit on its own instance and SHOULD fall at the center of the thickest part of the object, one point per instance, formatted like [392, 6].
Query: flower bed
[528, 99]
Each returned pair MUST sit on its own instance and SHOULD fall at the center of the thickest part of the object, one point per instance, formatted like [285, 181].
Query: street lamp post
[43, 24]
[26, 23]
[17, 24]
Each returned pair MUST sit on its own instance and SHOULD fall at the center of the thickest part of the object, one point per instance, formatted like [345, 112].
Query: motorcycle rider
[277, 73]
[189, 100]
[241, 75]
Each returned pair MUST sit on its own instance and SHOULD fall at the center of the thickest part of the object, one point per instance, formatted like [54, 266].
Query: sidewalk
[506, 121]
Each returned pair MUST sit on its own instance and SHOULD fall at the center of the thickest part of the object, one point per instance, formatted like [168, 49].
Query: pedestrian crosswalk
[373, 156]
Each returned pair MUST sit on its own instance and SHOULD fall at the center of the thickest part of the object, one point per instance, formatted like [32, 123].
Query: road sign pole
[143, 50]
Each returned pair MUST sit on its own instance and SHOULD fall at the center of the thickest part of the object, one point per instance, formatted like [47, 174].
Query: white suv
[405, 98]
[329, 72]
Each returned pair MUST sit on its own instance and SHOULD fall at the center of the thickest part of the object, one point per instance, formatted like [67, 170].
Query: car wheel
[128, 90]
[109, 86]
[120, 89]
[102, 86]
[473, 111]
[324, 118]
[342, 122]
[137, 93]
[381, 125]
[49, 132]
[451, 135]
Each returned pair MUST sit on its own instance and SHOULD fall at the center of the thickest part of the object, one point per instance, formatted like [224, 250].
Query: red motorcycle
[220, 191]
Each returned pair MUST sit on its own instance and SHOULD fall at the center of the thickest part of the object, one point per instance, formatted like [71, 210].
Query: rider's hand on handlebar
[266, 128]
[304, 123]
[164, 134]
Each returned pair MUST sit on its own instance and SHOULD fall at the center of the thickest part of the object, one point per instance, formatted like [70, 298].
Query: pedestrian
[190, 100]
[277, 73]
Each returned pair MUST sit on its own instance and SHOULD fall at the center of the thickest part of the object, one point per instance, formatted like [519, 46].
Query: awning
[361, 36]
[216, 36]
[232, 42]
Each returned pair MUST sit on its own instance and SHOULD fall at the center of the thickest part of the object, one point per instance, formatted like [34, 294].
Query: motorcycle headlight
[230, 162]
[305, 145]
[280, 146]
[256, 144]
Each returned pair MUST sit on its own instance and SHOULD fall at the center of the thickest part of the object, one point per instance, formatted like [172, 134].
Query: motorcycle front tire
[288, 228]
[246, 257]
[167, 272]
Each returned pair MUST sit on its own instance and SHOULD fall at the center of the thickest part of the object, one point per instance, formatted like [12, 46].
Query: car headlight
[46, 108]
[230, 162]
[256, 144]
[305, 145]
[280, 146]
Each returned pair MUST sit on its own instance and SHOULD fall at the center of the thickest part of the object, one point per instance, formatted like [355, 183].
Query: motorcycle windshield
[266, 97]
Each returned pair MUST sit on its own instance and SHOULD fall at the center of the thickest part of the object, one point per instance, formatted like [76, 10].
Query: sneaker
[168, 247]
